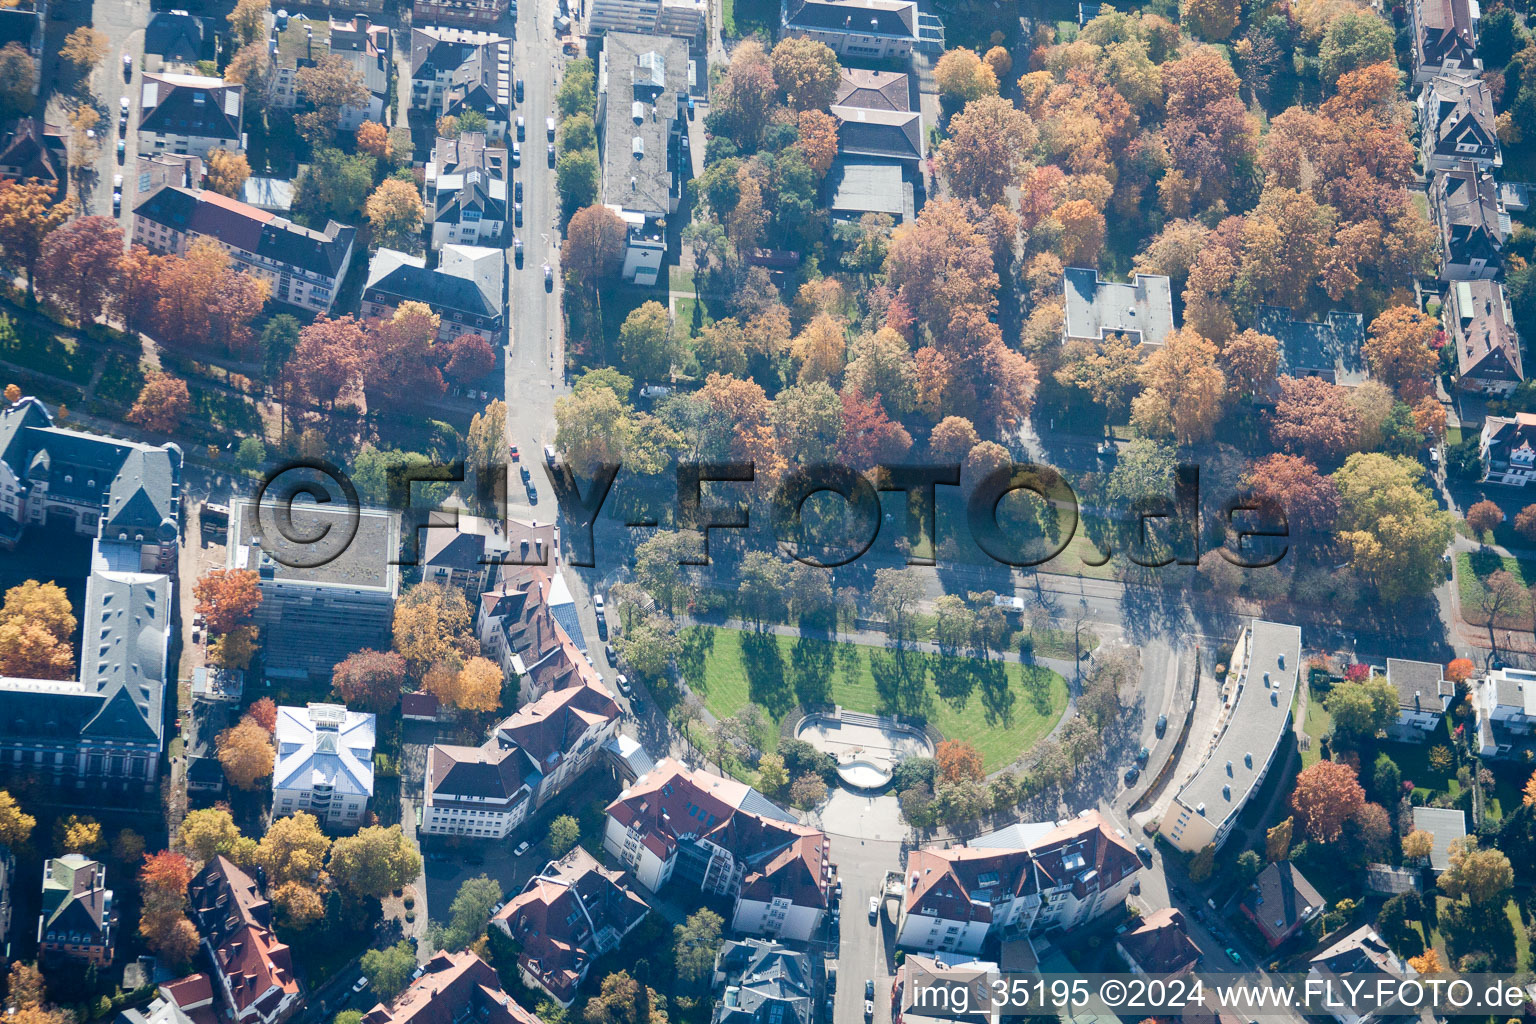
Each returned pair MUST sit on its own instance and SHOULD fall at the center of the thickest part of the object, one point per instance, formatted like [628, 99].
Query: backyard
[1002, 708]
[1472, 570]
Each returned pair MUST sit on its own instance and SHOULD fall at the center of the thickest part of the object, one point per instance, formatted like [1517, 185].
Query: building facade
[78, 919]
[466, 289]
[868, 29]
[190, 114]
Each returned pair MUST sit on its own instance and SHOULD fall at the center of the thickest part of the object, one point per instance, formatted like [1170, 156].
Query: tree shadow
[697, 643]
[764, 664]
[954, 678]
[997, 697]
[901, 681]
[810, 670]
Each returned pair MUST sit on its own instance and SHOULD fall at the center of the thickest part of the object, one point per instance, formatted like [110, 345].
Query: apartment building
[324, 763]
[1464, 206]
[190, 114]
[1256, 715]
[304, 267]
[466, 190]
[313, 616]
[456, 988]
[297, 41]
[1444, 36]
[726, 840]
[454, 70]
[869, 29]
[1456, 122]
[466, 289]
[1481, 326]
[1024, 879]
[78, 919]
[252, 970]
[1505, 702]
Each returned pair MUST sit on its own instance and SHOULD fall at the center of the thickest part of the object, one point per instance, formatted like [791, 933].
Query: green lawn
[1472, 567]
[55, 354]
[121, 379]
[1003, 710]
[1319, 724]
[692, 316]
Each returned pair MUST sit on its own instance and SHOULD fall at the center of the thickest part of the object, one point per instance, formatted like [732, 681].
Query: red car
[514, 453]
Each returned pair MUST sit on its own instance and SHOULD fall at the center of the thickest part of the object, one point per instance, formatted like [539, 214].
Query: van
[549, 128]
[549, 455]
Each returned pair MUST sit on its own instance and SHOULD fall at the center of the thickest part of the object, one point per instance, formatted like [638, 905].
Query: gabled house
[1507, 447]
[1464, 205]
[528, 622]
[1456, 123]
[457, 69]
[537, 752]
[452, 988]
[33, 151]
[1505, 701]
[727, 840]
[567, 916]
[176, 37]
[252, 970]
[868, 29]
[1018, 881]
[1481, 325]
[1423, 696]
[324, 763]
[466, 289]
[1444, 37]
[466, 190]
[1160, 945]
[78, 919]
[1096, 308]
[190, 114]
[1364, 958]
[757, 982]
[1280, 901]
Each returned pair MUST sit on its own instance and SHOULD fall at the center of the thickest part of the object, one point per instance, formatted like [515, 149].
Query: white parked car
[521, 849]
[597, 603]
[361, 984]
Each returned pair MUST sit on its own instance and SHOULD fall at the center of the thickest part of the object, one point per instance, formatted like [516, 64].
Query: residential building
[190, 114]
[453, 987]
[1329, 348]
[489, 791]
[567, 916]
[466, 289]
[324, 763]
[886, 135]
[106, 728]
[466, 188]
[1021, 880]
[187, 1001]
[1481, 325]
[1257, 716]
[31, 150]
[642, 89]
[1096, 308]
[419, 706]
[252, 970]
[1160, 945]
[873, 90]
[1445, 825]
[297, 41]
[459, 550]
[454, 70]
[528, 623]
[759, 982]
[1456, 119]
[1444, 37]
[727, 840]
[7, 898]
[686, 19]
[303, 267]
[1507, 447]
[940, 990]
[22, 23]
[183, 170]
[176, 37]
[467, 13]
[1362, 958]
[1505, 701]
[1280, 901]
[1423, 697]
[1464, 205]
[314, 616]
[78, 919]
[868, 29]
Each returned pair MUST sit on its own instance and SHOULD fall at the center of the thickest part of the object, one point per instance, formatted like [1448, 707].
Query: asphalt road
[122, 21]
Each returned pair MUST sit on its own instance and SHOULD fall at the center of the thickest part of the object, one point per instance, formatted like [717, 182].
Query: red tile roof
[455, 986]
[236, 919]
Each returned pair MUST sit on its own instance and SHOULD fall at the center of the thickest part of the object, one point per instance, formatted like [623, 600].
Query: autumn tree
[18, 73]
[396, 213]
[1210, 19]
[1082, 232]
[1251, 361]
[203, 301]
[327, 362]
[818, 140]
[1391, 523]
[807, 71]
[989, 146]
[80, 265]
[77, 833]
[373, 139]
[820, 349]
[28, 214]
[248, 19]
[962, 76]
[374, 861]
[84, 48]
[208, 832]
[1484, 517]
[162, 403]
[1459, 670]
[1315, 418]
[1428, 962]
[743, 100]
[1277, 841]
[371, 680]
[226, 172]
[298, 904]
[245, 751]
[1327, 795]
[594, 245]
[1309, 499]
[328, 85]
[1354, 39]
[469, 358]
[645, 342]
[1398, 350]
[1480, 876]
[227, 598]
[1418, 844]
[36, 630]
[1184, 389]
[475, 687]
[15, 824]
[958, 759]
[293, 849]
[432, 625]
[138, 287]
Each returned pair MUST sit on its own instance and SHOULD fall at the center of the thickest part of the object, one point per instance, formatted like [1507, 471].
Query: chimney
[309, 42]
